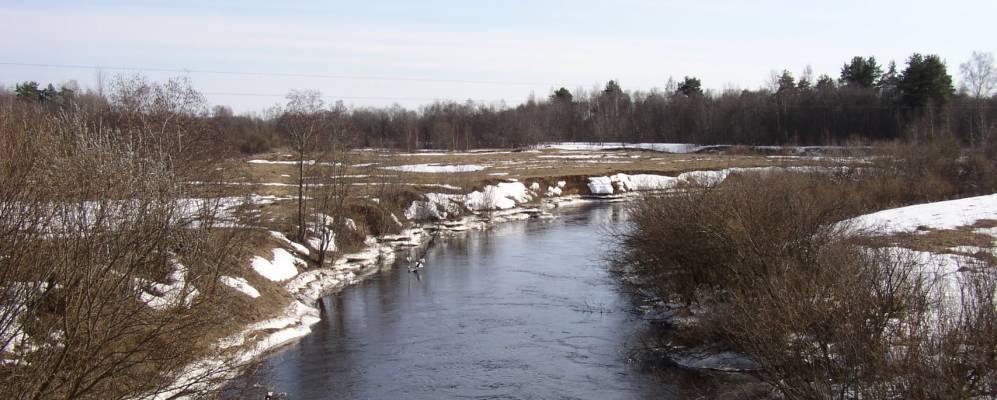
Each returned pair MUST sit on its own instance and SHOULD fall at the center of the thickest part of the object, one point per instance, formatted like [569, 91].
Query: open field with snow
[428, 171]
[273, 294]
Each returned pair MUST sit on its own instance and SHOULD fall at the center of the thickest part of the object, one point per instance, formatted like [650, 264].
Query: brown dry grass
[944, 241]
[547, 167]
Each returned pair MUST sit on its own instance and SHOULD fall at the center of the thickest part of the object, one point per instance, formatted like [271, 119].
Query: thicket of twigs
[108, 264]
[773, 274]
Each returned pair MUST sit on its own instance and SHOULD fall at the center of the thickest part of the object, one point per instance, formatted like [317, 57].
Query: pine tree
[861, 72]
[925, 81]
[562, 95]
[825, 82]
[690, 86]
[28, 91]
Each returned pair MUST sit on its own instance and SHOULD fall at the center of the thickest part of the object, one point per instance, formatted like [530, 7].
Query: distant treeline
[866, 102]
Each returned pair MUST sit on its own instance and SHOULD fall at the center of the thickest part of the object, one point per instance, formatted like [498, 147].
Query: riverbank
[497, 200]
[793, 271]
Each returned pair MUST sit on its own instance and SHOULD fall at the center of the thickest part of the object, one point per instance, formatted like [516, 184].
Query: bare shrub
[708, 238]
[108, 270]
[939, 170]
[775, 275]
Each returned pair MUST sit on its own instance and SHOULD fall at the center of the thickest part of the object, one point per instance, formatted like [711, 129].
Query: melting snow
[283, 239]
[939, 215]
[600, 185]
[436, 168]
[177, 291]
[942, 271]
[240, 284]
[280, 269]
[502, 196]
[626, 182]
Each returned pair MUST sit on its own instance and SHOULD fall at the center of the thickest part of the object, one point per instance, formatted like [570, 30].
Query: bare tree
[302, 120]
[980, 76]
[328, 204]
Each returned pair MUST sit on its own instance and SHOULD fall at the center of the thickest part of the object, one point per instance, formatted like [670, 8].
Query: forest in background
[866, 102]
[86, 311]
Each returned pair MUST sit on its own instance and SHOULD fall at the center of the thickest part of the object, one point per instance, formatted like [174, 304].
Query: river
[522, 310]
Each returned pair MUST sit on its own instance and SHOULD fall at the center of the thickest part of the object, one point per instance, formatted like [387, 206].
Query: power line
[278, 74]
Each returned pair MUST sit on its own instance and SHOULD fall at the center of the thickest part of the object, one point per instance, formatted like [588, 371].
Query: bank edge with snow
[502, 202]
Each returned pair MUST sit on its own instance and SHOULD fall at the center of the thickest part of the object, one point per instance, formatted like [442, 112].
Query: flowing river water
[522, 310]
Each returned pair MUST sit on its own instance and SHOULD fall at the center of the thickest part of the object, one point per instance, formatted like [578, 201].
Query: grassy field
[366, 168]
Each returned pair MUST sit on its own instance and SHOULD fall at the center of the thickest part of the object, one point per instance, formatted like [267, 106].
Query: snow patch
[240, 284]
[600, 185]
[283, 239]
[281, 268]
[436, 168]
[939, 215]
[502, 196]
[161, 296]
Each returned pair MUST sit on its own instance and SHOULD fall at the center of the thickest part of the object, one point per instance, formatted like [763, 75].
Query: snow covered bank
[295, 320]
[940, 215]
[944, 272]
[502, 196]
[503, 201]
[436, 168]
[508, 195]
[620, 183]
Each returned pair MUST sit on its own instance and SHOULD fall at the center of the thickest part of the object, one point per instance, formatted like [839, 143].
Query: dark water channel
[523, 310]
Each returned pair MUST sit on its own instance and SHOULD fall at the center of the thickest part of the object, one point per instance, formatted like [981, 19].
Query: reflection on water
[522, 310]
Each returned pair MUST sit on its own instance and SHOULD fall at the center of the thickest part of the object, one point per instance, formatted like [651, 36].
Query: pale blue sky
[491, 51]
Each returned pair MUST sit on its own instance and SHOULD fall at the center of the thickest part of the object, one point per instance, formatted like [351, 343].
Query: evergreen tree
[825, 82]
[925, 81]
[690, 86]
[562, 95]
[786, 82]
[612, 88]
[861, 72]
[28, 91]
